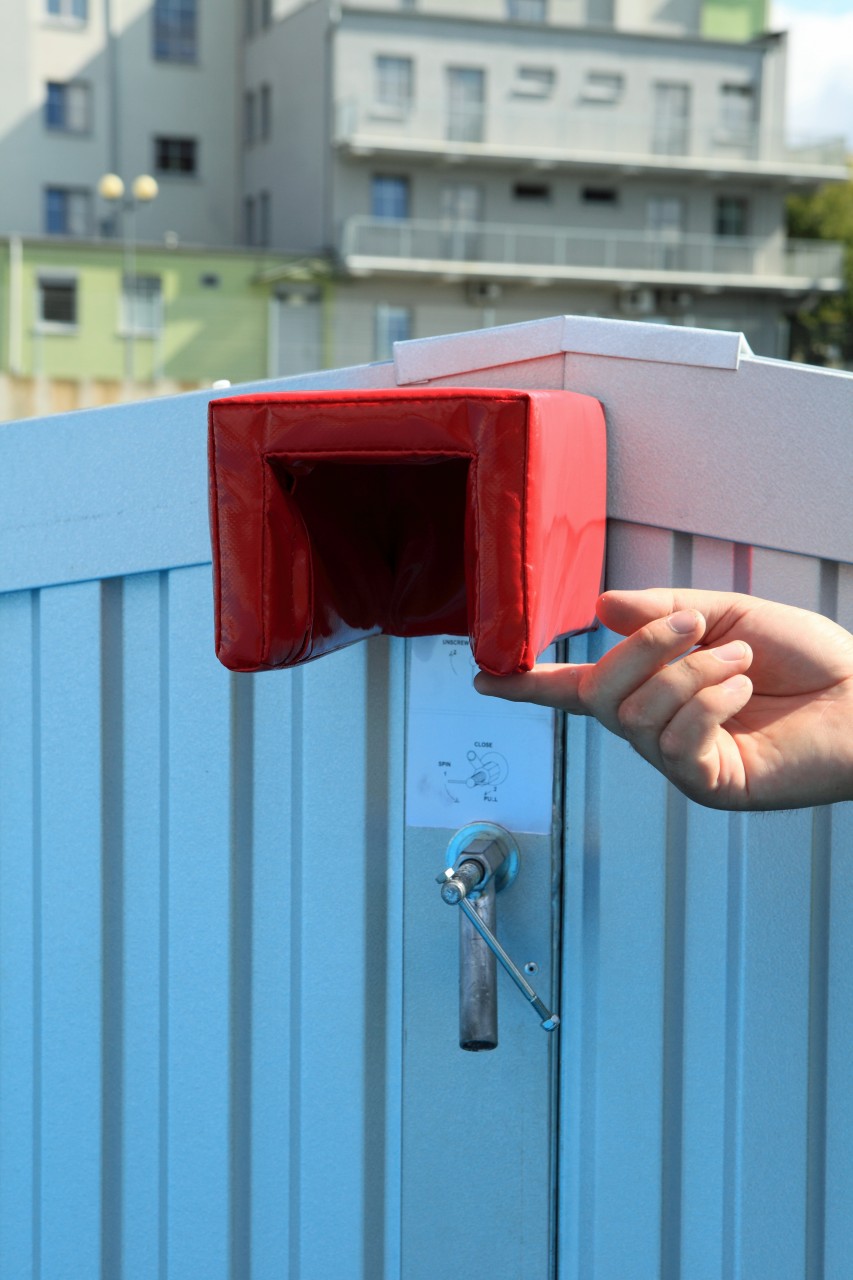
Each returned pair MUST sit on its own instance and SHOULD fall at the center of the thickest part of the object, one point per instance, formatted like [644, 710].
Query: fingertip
[481, 683]
[739, 686]
[686, 621]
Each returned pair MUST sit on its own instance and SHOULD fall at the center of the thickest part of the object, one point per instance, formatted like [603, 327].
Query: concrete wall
[438, 307]
[195, 100]
[293, 58]
[642, 61]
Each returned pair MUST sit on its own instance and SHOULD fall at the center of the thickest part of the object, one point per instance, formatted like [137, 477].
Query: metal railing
[534, 125]
[418, 241]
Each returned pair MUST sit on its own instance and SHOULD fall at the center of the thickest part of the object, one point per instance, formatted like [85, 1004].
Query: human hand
[677, 690]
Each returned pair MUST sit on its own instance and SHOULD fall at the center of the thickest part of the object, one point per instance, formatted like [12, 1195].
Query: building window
[142, 305]
[75, 10]
[671, 122]
[532, 192]
[264, 219]
[249, 18]
[737, 110]
[57, 302]
[731, 216]
[266, 13]
[67, 211]
[466, 104]
[526, 10]
[175, 31]
[66, 107]
[394, 80]
[533, 82]
[265, 111]
[600, 195]
[391, 324]
[602, 86]
[175, 155]
[249, 220]
[249, 122]
[389, 196]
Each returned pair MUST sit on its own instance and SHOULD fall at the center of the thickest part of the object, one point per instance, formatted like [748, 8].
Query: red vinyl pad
[337, 515]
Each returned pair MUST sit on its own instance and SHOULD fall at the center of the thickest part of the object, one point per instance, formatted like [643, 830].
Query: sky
[820, 65]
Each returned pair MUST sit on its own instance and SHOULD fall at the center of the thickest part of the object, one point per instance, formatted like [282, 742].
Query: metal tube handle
[456, 885]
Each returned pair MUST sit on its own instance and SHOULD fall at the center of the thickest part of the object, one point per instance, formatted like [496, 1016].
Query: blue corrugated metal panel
[199, 1040]
[706, 1060]
[202, 917]
[19, 960]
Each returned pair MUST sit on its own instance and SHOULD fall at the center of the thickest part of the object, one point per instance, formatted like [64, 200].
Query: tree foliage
[822, 333]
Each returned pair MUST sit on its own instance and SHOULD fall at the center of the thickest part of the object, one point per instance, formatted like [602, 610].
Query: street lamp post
[143, 190]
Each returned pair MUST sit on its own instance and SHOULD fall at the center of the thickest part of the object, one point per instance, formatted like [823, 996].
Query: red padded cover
[337, 515]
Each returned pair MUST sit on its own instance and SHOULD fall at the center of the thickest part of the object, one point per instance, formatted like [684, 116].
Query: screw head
[531, 967]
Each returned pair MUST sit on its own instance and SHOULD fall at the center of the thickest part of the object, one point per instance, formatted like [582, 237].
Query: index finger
[549, 684]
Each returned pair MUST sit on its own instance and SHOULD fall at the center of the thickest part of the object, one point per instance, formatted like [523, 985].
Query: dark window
[66, 106]
[266, 13]
[57, 301]
[531, 191]
[731, 216]
[265, 101]
[600, 195]
[389, 196]
[76, 9]
[249, 122]
[175, 155]
[54, 107]
[67, 211]
[264, 218]
[249, 230]
[175, 31]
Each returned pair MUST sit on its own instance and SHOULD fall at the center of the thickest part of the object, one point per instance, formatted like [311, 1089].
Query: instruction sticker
[471, 758]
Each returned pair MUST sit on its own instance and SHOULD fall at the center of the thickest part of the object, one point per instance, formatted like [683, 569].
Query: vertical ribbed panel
[706, 1057]
[198, 1042]
[202, 917]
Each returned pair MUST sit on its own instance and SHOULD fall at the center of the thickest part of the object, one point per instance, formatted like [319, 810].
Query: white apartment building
[477, 162]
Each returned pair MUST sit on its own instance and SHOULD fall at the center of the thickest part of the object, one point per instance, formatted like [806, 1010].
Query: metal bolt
[531, 967]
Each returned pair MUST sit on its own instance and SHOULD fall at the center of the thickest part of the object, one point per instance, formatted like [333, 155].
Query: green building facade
[95, 321]
[733, 19]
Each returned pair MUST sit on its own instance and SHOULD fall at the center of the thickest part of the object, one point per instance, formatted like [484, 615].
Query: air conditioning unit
[637, 302]
[484, 292]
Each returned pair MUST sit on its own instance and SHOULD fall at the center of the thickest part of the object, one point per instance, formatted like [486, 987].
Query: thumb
[626, 611]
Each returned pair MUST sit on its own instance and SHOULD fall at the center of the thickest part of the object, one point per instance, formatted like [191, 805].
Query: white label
[471, 758]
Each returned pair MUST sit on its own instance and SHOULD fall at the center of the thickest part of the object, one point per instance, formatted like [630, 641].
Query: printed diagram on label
[469, 757]
[486, 770]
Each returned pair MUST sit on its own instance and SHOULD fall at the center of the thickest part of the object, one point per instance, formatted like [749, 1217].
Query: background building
[450, 165]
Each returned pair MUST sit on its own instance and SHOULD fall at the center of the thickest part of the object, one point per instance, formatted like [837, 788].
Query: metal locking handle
[486, 861]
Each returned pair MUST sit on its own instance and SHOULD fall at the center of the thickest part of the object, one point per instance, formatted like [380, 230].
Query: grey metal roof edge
[424, 359]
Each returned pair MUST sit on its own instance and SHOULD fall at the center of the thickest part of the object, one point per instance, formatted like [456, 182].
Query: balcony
[544, 254]
[600, 136]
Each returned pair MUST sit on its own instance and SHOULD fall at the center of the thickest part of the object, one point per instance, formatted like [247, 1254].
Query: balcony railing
[423, 246]
[534, 128]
